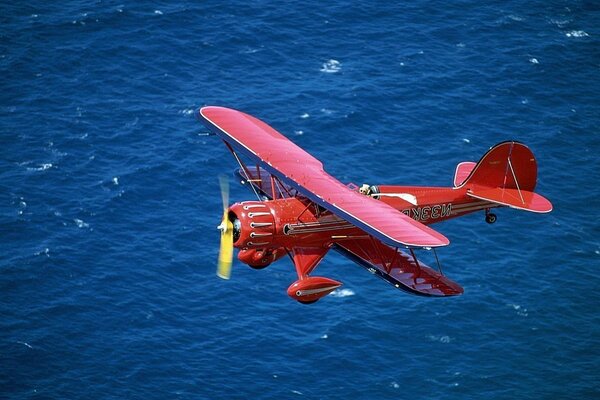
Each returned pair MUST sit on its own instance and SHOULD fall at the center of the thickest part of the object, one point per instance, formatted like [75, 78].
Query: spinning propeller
[226, 228]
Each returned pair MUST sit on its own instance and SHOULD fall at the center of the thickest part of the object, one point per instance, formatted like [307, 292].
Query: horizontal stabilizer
[463, 170]
[514, 198]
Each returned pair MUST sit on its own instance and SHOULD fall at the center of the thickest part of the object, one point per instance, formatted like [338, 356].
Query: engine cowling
[253, 224]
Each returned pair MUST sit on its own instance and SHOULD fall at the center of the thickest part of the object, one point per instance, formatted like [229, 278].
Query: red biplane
[304, 212]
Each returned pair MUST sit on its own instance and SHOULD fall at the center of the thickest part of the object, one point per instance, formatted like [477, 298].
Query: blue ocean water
[109, 198]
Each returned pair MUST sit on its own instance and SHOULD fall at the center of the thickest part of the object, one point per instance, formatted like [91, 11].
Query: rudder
[507, 165]
[507, 175]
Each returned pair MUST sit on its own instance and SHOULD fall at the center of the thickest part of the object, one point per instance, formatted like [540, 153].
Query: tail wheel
[490, 218]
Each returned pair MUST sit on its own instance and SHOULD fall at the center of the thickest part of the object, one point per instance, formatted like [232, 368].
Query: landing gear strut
[490, 218]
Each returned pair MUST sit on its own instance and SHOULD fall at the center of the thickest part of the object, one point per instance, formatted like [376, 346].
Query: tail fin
[507, 175]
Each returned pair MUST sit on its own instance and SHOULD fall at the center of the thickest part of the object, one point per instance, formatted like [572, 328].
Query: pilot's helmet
[365, 189]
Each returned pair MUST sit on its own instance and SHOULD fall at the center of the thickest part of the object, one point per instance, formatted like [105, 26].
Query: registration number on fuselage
[429, 212]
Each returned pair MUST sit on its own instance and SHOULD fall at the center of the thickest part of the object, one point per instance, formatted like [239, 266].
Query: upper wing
[303, 172]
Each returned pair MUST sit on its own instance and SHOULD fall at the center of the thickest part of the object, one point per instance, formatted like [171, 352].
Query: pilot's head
[365, 189]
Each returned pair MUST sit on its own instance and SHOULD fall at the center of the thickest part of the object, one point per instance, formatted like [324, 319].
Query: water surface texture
[109, 198]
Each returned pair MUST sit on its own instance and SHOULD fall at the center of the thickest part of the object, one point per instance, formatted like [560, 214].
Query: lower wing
[398, 268]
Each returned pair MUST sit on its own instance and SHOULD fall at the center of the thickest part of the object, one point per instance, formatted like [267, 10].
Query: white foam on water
[331, 66]
[299, 133]
[466, 140]
[534, 61]
[115, 180]
[297, 392]
[577, 34]
[522, 311]
[561, 23]
[325, 336]
[158, 12]
[439, 338]
[45, 252]
[305, 115]
[26, 344]
[80, 223]
[342, 293]
[42, 167]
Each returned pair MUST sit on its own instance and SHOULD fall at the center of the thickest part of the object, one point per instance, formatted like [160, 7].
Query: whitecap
[187, 111]
[305, 115]
[45, 252]
[577, 34]
[331, 66]
[42, 167]
[80, 223]
[534, 61]
[158, 12]
[299, 133]
[439, 338]
[250, 50]
[394, 385]
[466, 140]
[342, 293]
[26, 344]
[115, 180]
[297, 392]
[561, 23]
[522, 311]
[324, 336]
[461, 45]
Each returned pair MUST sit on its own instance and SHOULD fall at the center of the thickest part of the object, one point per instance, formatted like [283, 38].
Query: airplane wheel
[308, 302]
[259, 266]
[490, 218]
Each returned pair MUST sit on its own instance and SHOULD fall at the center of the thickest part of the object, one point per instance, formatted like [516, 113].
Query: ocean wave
[331, 66]
[342, 293]
[521, 311]
[80, 223]
[42, 167]
[577, 34]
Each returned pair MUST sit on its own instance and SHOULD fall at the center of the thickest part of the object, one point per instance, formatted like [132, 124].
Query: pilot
[365, 189]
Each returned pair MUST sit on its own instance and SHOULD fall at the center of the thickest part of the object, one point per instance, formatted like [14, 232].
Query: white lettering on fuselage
[429, 212]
